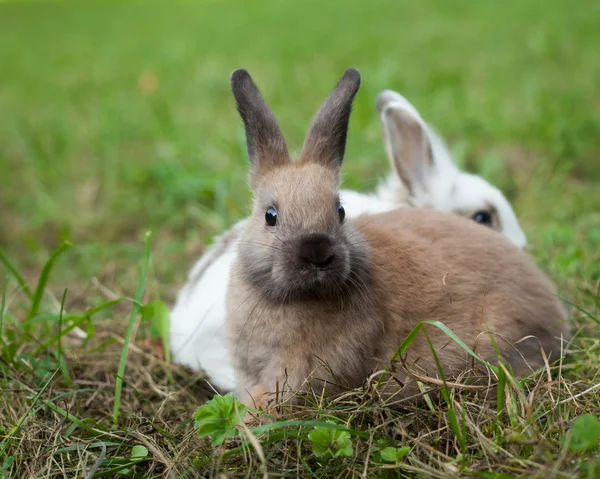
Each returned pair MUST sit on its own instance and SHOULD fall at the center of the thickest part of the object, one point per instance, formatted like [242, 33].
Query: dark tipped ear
[407, 140]
[266, 146]
[326, 139]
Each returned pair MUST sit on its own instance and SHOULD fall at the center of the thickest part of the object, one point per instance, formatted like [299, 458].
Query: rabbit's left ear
[407, 140]
[325, 141]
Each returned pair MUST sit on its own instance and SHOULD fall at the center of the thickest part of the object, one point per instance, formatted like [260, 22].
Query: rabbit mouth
[296, 282]
[323, 276]
[322, 285]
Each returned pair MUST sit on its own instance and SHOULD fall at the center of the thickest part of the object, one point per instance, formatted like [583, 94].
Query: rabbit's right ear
[266, 146]
[325, 141]
[406, 138]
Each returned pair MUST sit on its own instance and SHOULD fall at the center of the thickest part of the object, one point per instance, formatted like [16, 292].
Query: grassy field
[117, 119]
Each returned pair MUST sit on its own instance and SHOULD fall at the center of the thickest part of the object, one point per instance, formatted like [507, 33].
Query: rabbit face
[298, 243]
[472, 197]
[477, 199]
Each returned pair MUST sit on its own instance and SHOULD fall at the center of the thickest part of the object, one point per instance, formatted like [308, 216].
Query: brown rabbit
[315, 300]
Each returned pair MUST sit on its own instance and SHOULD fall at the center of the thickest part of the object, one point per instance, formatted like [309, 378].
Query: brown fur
[425, 265]
[295, 326]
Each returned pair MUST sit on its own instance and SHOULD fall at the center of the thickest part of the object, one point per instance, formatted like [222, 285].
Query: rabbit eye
[341, 212]
[271, 216]
[482, 217]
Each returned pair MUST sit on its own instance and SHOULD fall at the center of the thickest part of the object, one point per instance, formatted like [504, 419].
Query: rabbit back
[437, 266]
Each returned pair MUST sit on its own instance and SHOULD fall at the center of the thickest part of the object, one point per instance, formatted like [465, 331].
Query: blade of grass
[61, 359]
[584, 311]
[500, 397]
[92, 445]
[90, 312]
[74, 419]
[134, 312]
[501, 391]
[413, 334]
[43, 280]
[22, 283]
[410, 338]
[445, 392]
[113, 471]
[92, 472]
[73, 392]
[77, 320]
[3, 306]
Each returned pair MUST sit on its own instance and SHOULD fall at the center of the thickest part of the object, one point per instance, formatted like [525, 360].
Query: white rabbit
[439, 184]
[198, 333]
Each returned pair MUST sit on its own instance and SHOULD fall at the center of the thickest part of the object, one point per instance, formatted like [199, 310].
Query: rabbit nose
[316, 249]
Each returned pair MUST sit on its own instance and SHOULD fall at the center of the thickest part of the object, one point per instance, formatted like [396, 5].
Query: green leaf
[157, 312]
[90, 329]
[218, 418]
[585, 433]
[8, 462]
[43, 279]
[394, 454]
[138, 453]
[22, 283]
[219, 436]
[328, 443]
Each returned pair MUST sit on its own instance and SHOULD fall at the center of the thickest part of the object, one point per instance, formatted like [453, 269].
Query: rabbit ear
[266, 146]
[325, 141]
[407, 139]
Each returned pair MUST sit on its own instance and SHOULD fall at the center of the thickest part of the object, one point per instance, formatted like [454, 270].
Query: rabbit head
[427, 177]
[296, 242]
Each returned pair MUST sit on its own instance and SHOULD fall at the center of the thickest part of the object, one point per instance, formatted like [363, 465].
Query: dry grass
[58, 422]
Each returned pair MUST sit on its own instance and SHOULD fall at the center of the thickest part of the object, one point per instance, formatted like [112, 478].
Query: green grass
[117, 119]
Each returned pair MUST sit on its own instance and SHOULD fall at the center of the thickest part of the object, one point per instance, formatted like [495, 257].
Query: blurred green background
[116, 118]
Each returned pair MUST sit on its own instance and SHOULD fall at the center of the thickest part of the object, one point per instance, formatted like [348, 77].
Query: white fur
[199, 314]
[197, 336]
